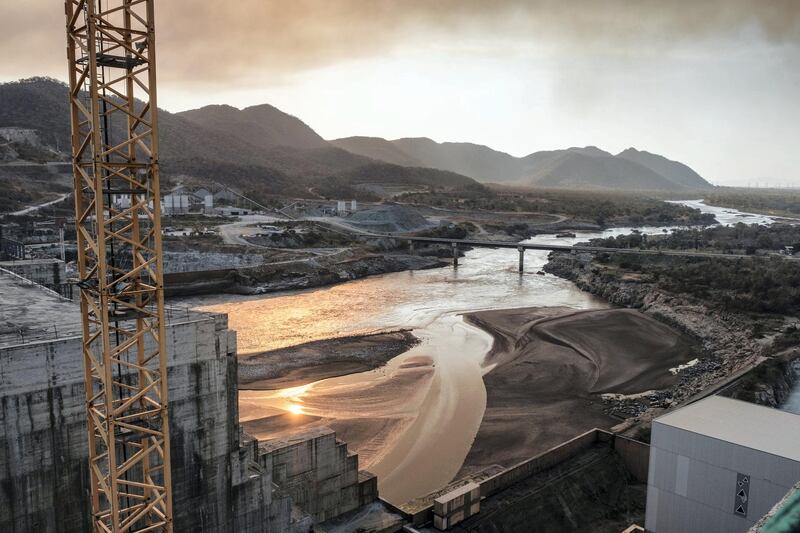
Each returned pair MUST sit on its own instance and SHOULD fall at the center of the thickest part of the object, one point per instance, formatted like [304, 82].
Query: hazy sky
[715, 84]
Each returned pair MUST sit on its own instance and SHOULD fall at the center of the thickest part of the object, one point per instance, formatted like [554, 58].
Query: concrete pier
[521, 259]
[455, 254]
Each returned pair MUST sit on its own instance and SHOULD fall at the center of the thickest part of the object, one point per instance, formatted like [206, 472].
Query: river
[427, 403]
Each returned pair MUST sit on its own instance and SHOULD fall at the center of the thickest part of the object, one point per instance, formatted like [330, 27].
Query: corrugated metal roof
[746, 424]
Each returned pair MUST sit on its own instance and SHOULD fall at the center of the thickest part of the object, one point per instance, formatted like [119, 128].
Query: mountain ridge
[285, 148]
[256, 148]
[638, 170]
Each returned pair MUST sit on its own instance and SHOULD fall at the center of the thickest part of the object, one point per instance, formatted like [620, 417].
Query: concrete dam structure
[223, 480]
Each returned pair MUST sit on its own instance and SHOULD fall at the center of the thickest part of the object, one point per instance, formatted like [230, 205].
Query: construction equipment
[112, 77]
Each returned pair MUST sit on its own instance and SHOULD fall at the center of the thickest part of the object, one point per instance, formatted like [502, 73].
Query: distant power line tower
[111, 53]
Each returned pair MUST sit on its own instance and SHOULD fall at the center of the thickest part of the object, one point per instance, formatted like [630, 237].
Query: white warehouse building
[719, 465]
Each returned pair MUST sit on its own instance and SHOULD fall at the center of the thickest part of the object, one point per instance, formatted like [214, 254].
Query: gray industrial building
[719, 465]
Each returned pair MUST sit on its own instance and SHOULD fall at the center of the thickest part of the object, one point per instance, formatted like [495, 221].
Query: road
[246, 225]
[235, 232]
[33, 208]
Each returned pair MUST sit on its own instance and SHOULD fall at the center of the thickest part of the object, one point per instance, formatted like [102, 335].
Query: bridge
[521, 247]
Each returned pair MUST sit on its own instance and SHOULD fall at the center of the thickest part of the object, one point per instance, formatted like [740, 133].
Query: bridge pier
[411, 248]
[455, 254]
[521, 259]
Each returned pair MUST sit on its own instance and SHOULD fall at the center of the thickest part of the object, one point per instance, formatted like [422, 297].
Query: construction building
[719, 465]
[223, 480]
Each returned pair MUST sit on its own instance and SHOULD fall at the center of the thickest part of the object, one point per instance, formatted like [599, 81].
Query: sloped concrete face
[319, 473]
[218, 483]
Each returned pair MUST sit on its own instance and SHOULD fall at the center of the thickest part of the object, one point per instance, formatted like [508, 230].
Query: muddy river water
[425, 428]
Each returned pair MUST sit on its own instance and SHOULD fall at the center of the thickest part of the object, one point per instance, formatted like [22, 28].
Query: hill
[379, 149]
[263, 126]
[263, 148]
[575, 169]
[259, 148]
[674, 171]
[569, 168]
[473, 160]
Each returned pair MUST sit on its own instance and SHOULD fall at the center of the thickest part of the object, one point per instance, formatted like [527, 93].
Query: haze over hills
[259, 147]
[264, 148]
[581, 169]
[263, 125]
[672, 170]
[568, 168]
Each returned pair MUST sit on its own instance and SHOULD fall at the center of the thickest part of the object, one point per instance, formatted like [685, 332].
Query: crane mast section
[113, 111]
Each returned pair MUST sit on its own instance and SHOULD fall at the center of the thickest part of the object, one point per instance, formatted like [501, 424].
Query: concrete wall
[42, 271]
[578, 495]
[693, 481]
[537, 464]
[318, 473]
[219, 482]
[634, 455]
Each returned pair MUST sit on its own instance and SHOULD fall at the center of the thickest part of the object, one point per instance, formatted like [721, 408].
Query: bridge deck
[580, 248]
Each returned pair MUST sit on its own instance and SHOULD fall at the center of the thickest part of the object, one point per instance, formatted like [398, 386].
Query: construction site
[126, 408]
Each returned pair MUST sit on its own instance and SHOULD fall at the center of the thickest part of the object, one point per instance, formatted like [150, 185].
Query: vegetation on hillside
[235, 155]
[601, 208]
[767, 285]
[771, 202]
[741, 238]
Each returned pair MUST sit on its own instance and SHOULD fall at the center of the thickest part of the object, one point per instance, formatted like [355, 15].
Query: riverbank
[298, 365]
[320, 271]
[547, 375]
[734, 342]
[551, 371]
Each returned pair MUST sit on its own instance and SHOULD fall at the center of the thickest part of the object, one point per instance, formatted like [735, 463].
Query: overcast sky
[715, 84]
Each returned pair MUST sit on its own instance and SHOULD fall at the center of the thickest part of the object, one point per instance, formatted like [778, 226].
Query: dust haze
[205, 42]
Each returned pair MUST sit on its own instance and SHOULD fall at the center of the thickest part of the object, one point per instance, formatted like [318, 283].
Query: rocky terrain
[729, 340]
[296, 274]
[771, 382]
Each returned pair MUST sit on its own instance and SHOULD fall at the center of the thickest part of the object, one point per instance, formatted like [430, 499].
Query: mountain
[473, 160]
[263, 126]
[674, 171]
[263, 148]
[379, 149]
[39, 104]
[577, 169]
[569, 168]
[257, 148]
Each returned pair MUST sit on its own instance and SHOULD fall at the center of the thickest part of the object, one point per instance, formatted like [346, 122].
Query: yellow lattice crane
[112, 77]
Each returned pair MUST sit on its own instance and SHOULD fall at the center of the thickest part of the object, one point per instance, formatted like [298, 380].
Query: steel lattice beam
[111, 53]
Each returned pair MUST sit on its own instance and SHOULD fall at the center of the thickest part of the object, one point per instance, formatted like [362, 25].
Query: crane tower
[112, 78]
